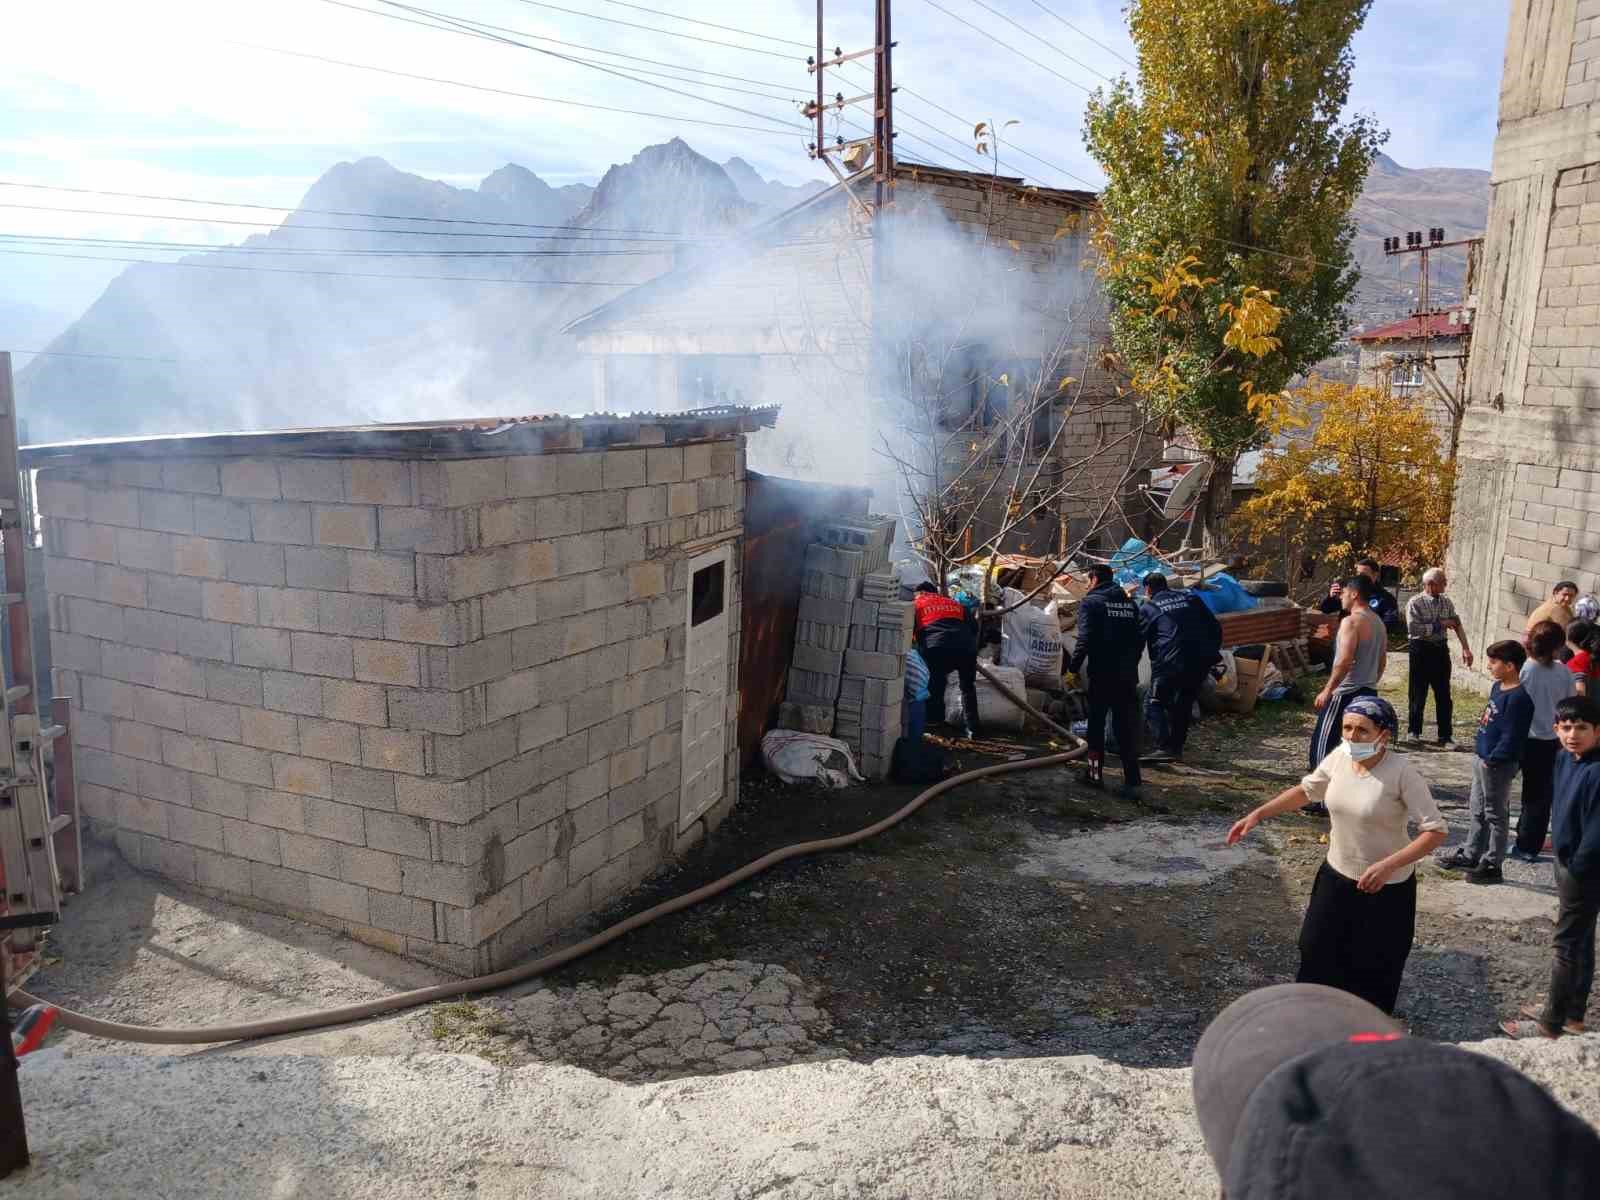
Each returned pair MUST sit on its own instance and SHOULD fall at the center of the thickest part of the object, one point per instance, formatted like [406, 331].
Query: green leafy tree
[1232, 152]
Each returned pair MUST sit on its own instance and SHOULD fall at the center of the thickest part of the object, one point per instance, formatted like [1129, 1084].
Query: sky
[198, 99]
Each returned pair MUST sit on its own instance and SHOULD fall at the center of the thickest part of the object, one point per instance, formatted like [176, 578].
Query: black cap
[1257, 1034]
[1358, 1110]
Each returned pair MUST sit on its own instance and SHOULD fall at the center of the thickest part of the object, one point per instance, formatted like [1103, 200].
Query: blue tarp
[1222, 594]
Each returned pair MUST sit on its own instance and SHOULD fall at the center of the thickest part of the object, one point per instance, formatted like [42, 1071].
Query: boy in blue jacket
[1575, 823]
[1501, 733]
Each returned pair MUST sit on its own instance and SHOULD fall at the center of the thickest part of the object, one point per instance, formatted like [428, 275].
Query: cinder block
[844, 563]
[154, 630]
[398, 833]
[863, 637]
[235, 603]
[864, 612]
[887, 718]
[444, 882]
[245, 839]
[647, 505]
[827, 586]
[580, 472]
[280, 521]
[268, 730]
[317, 567]
[883, 692]
[166, 593]
[369, 868]
[383, 574]
[314, 478]
[401, 914]
[188, 753]
[353, 527]
[808, 718]
[288, 608]
[215, 517]
[346, 901]
[423, 530]
[391, 750]
[559, 516]
[114, 506]
[322, 654]
[623, 469]
[339, 822]
[233, 684]
[168, 512]
[243, 764]
[334, 741]
[251, 478]
[358, 785]
[874, 666]
[377, 481]
[301, 776]
[253, 562]
[891, 641]
[349, 615]
[664, 465]
[199, 557]
[814, 659]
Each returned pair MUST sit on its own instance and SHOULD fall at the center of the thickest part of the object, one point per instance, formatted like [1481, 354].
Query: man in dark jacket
[1185, 641]
[1575, 824]
[947, 639]
[1110, 641]
[1383, 601]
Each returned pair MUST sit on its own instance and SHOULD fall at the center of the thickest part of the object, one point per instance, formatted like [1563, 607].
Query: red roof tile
[1411, 328]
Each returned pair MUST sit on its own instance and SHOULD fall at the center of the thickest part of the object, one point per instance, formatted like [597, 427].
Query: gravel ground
[456, 1126]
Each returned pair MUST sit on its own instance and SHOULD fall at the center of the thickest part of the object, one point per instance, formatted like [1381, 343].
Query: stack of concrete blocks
[829, 584]
[434, 704]
[873, 680]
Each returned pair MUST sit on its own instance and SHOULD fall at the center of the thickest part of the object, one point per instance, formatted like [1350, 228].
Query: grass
[462, 1019]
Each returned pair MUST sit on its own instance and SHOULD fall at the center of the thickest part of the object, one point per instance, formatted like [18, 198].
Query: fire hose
[322, 1018]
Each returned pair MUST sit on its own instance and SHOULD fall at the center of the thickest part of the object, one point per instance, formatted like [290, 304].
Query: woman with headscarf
[1362, 915]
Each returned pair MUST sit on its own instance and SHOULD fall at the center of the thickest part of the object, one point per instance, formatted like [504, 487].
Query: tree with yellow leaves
[1230, 162]
[1367, 479]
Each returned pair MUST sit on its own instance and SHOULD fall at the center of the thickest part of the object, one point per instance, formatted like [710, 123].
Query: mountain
[463, 318]
[768, 193]
[25, 326]
[1398, 200]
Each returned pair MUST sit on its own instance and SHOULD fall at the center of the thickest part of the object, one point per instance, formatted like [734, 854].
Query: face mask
[1361, 751]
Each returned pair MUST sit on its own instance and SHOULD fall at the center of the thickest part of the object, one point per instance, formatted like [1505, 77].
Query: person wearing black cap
[1110, 642]
[1185, 641]
[1362, 916]
[1305, 1092]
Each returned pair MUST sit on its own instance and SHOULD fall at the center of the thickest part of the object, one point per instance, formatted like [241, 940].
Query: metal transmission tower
[854, 153]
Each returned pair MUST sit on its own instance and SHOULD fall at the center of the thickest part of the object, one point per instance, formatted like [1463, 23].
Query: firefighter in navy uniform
[947, 639]
[1110, 640]
[1185, 641]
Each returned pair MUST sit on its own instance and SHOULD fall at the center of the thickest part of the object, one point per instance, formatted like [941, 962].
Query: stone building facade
[447, 689]
[1527, 509]
[1392, 357]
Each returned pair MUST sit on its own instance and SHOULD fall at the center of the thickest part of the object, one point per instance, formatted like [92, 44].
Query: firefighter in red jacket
[947, 638]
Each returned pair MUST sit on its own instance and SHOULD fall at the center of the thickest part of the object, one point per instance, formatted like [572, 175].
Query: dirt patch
[1150, 853]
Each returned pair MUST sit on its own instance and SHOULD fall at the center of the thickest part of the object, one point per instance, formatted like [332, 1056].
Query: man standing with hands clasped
[1429, 614]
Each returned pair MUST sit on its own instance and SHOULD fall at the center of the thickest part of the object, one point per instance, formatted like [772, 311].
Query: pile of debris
[847, 676]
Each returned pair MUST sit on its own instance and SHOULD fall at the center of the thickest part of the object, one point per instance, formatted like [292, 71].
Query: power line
[76, 354]
[1082, 34]
[442, 233]
[316, 251]
[481, 25]
[478, 87]
[466, 28]
[656, 29]
[996, 41]
[1042, 41]
[710, 24]
[648, 234]
[154, 262]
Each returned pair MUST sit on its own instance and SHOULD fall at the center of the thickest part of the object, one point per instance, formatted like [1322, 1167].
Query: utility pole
[1453, 399]
[880, 145]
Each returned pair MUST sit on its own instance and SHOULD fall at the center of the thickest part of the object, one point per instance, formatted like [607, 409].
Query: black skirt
[1356, 941]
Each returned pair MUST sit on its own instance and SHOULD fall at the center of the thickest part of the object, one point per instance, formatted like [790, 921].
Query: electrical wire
[439, 233]
[657, 29]
[996, 41]
[156, 262]
[1051, 45]
[1081, 33]
[656, 12]
[484, 25]
[573, 230]
[318, 251]
[478, 87]
[75, 354]
[456, 25]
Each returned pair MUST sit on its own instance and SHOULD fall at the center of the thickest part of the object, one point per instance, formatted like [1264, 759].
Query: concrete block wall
[434, 704]
[1527, 505]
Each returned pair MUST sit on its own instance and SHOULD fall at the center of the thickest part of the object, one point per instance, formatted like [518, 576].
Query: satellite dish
[1184, 491]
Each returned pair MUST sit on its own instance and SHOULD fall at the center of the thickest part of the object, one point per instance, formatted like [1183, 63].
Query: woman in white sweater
[1361, 918]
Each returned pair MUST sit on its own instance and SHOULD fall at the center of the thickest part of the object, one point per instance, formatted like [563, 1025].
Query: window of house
[706, 593]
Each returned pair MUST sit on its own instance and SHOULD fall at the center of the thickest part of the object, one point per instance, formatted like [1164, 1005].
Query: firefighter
[1185, 641]
[1110, 640]
[947, 638]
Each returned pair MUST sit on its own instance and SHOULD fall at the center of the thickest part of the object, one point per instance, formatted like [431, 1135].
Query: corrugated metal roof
[468, 437]
[1444, 323]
